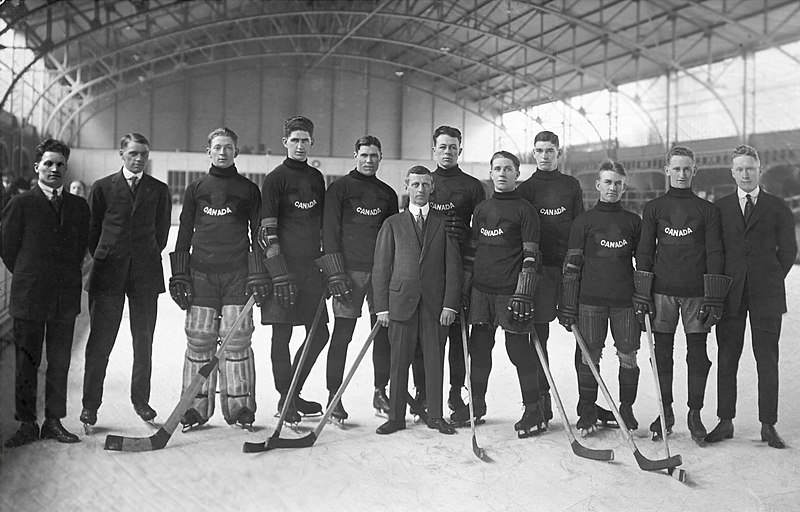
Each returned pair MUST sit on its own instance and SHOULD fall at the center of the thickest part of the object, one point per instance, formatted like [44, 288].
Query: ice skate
[381, 403]
[419, 408]
[460, 417]
[587, 421]
[192, 420]
[696, 427]
[338, 415]
[531, 423]
[245, 420]
[606, 418]
[454, 401]
[308, 408]
[146, 412]
[292, 417]
[546, 405]
[88, 418]
[655, 427]
[626, 411]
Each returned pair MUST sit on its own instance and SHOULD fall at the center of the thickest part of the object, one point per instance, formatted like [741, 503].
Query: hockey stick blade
[160, 439]
[307, 441]
[577, 448]
[646, 464]
[477, 450]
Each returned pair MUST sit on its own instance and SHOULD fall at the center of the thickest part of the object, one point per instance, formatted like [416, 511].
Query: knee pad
[237, 370]
[627, 360]
[594, 353]
[202, 328]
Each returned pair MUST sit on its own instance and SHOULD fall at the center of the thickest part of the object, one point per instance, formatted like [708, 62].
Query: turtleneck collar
[447, 173]
[546, 175]
[296, 164]
[609, 207]
[506, 195]
[226, 172]
[357, 175]
[680, 192]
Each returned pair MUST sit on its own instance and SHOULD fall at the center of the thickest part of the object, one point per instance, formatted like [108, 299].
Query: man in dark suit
[44, 233]
[413, 251]
[760, 248]
[129, 227]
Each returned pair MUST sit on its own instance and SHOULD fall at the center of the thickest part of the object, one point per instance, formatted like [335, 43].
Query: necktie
[748, 208]
[420, 222]
[56, 201]
[134, 184]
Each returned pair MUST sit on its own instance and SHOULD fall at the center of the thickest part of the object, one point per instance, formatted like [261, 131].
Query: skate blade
[462, 424]
[339, 422]
[245, 426]
[523, 434]
[88, 429]
[609, 424]
[656, 436]
[380, 413]
[586, 432]
[701, 441]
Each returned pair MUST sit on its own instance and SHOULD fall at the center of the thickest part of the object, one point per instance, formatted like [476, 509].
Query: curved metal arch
[132, 85]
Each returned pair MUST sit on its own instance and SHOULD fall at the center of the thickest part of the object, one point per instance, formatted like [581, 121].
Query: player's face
[419, 188]
[746, 171]
[368, 158]
[134, 156]
[546, 155]
[298, 144]
[222, 151]
[504, 175]
[610, 185]
[681, 170]
[446, 151]
[51, 169]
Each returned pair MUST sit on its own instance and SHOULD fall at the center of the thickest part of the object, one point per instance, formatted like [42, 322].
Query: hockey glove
[643, 295]
[570, 288]
[716, 288]
[339, 285]
[180, 284]
[284, 290]
[521, 303]
[456, 228]
[258, 282]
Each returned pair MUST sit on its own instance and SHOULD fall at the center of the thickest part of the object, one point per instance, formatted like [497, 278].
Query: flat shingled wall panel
[242, 106]
[206, 106]
[417, 116]
[170, 118]
[315, 101]
[278, 102]
[479, 140]
[350, 109]
[97, 132]
[385, 115]
[133, 115]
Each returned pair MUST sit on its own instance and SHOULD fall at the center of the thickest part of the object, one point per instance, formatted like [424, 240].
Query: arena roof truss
[500, 55]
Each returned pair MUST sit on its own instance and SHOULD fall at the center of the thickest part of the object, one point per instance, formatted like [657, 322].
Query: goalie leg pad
[202, 326]
[593, 323]
[237, 371]
[625, 329]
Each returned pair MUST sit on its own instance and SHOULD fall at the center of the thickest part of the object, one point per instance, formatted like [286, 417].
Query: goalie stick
[160, 439]
[309, 439]
[274, 440]
[577, 448]
[644, 463]
[677, 473]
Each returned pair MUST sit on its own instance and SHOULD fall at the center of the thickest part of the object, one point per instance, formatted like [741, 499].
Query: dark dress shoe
[723, 430]
[390, 427]
[88, 416]
[144, 411]
[441, 425]
[53, 429]
[770, 435]
[28, 432]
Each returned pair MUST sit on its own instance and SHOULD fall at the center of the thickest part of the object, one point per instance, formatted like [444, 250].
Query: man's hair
[417, 169]
[505, 154]
[447, 130]
[745, 150]
[223, 132]
[296, 123]
[52, 145]
[679, 151]
[368, 140]
[138, 138]
[610, 165]
[546, 136]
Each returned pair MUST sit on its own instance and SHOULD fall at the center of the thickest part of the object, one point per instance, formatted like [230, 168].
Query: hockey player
[558, 199]
[679, 264]
[505, 244]
[355, 207]
[293, 199]
[597, 289]
[455, 195]
[214, 264]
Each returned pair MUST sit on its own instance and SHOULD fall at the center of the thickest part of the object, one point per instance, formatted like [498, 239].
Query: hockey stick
[676, 473]
[160, 439]
[309, 439]
[275, 441]
[644, 463]
[579, 449]
[464, 338]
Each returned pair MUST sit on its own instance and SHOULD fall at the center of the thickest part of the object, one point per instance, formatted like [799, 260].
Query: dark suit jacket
[760, 253]
[126, 237]
[403, 271]
[44, 252]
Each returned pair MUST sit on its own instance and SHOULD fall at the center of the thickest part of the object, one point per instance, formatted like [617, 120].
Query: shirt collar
[128, 174]
[414, 209]
[48, 191]
[753, 195]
